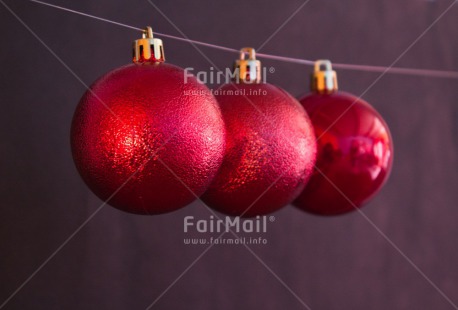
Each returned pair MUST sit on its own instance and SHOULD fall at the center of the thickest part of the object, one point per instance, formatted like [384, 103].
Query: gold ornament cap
[247, 70]
[148, 49]
[324, 79]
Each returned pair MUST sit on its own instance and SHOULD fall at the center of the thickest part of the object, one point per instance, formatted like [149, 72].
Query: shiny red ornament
[270, 150]
[146, 140]
[355, 153]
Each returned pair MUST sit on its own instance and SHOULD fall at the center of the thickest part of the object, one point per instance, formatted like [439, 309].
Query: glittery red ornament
[140, 133]
[270, 148]
[355, 150]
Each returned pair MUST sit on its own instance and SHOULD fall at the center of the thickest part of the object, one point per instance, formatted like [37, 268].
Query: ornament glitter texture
[270, 146]
[355, 150]
[140, 142]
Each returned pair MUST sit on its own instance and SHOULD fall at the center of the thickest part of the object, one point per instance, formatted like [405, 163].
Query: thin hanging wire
[87, 15]
[367, 68]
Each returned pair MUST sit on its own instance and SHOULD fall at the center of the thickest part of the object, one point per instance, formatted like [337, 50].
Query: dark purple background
[122, 261]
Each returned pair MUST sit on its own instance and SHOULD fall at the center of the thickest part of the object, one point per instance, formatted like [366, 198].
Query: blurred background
[123, 261]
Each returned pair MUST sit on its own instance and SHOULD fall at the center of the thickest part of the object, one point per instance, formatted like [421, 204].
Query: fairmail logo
[227, 224]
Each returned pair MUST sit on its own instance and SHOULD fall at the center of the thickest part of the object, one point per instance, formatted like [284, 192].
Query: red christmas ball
[355, 153]
[270, 150]
[146, 140]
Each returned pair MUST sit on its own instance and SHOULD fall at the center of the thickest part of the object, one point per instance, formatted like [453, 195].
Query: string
[87, 15]
[367, 68]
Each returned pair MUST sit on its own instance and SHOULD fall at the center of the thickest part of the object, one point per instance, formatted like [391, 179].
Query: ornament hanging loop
[324, 79]
[148, 49]
[248, 51]
[148, 33]
[247, 70]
